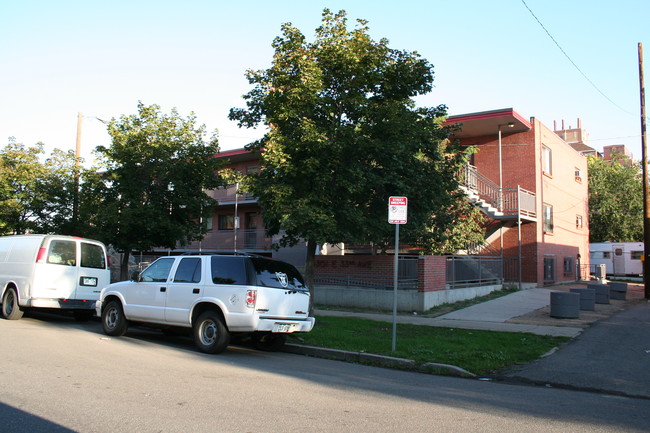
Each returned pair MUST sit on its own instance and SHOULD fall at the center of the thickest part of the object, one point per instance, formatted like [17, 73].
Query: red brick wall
[432, 273]
[356, 265]
[431, 269]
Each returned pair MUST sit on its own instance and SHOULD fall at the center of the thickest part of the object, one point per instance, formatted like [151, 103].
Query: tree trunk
[309, 272]
[124, 267]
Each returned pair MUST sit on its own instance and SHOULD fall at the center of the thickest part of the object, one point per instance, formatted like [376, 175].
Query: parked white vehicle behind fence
[51, 271]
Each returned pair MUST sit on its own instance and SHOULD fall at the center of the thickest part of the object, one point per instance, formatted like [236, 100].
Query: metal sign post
[397, 212]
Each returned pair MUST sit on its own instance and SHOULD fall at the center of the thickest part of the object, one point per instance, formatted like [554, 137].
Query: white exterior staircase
[496, 202]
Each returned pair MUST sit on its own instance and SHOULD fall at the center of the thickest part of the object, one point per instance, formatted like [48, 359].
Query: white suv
[215, 296]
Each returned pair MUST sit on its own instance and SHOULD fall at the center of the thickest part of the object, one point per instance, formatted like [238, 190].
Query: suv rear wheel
[210, 333]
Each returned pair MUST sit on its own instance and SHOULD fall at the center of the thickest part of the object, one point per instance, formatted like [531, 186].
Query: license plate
[281, 327]
[88, 281]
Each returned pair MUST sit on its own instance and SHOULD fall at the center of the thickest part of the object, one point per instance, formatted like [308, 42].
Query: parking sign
[397, 210]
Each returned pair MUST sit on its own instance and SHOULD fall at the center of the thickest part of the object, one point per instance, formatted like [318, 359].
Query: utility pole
[644, 167]
[77, 169]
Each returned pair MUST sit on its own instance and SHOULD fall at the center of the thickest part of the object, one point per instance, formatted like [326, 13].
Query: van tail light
[40, 257]
[251, 298]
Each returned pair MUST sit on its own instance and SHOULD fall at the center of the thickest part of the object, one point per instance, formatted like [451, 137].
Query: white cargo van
[51, 271]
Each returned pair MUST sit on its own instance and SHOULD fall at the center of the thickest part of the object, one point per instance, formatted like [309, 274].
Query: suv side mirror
[136, 276]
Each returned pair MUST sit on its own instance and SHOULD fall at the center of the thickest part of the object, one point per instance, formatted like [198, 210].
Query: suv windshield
[273, 273]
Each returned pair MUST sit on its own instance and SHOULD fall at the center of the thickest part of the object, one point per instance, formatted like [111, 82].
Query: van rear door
[93, 273]
[55, 273]
[70, 270]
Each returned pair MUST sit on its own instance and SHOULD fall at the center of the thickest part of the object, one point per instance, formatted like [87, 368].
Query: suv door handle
[163, 289]
[195, 291]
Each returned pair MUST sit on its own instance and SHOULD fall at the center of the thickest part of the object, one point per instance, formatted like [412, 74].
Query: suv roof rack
[215, 253]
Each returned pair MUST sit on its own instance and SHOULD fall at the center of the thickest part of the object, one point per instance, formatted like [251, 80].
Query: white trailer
[619, 258]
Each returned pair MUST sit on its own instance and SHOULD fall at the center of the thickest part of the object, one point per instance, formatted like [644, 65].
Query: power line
[573, 63]
[615, 138]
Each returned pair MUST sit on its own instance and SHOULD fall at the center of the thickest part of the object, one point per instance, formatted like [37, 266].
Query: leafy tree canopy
[36, 196]
[152, 191]
[344, 135]
[20, 173]
[615, 200]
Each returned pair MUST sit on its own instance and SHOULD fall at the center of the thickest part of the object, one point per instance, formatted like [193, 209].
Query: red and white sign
[397, 210]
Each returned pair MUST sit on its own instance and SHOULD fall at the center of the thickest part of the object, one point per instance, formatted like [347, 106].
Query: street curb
[373, 359]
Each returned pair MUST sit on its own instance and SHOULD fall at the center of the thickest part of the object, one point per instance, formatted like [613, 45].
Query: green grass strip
[480, 352]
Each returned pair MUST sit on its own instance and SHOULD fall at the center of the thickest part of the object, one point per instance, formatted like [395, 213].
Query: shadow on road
[18, 421]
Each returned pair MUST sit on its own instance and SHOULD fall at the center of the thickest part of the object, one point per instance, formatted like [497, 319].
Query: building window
[547, 160]
[548, 218]
[208, 223]
[636, 255]
[578, 174]
[607, 254]
[549, 269]
[578, 221]
[226, 222]
[568, 266]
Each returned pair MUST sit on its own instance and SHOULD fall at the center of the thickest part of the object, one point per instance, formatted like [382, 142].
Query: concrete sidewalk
[493, 315]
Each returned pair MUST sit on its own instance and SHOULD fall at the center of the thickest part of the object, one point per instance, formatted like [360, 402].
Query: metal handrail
[481, 185]
[510, 201]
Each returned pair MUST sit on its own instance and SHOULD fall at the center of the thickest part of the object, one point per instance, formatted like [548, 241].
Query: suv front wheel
[113, 320]
[210, 333]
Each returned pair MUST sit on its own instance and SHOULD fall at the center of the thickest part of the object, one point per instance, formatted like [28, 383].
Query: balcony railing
[227, 195]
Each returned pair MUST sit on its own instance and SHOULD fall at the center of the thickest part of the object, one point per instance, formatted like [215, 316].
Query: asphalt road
[57, 375]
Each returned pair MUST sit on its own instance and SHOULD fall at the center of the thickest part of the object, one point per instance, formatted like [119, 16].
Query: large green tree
[344, 135]
[36, 196]
[615, 200]
[21, 172]
[152, 188]
[57, 190]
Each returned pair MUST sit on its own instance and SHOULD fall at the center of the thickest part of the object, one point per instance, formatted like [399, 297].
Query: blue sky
[101, 58]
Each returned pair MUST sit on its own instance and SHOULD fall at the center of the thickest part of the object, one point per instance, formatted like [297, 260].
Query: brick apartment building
[541, 214]
[531, 184]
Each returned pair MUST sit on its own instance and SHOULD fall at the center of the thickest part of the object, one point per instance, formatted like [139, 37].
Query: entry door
[618, 259]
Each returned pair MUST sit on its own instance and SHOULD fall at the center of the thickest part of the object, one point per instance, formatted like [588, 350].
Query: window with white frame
[578, 174]
[548, 218]
[547, 160]
[578, 221]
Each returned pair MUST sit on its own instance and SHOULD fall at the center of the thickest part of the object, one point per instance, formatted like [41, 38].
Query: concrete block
[587, 298]
[617, 290]
[602, 292]
[565, 305]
